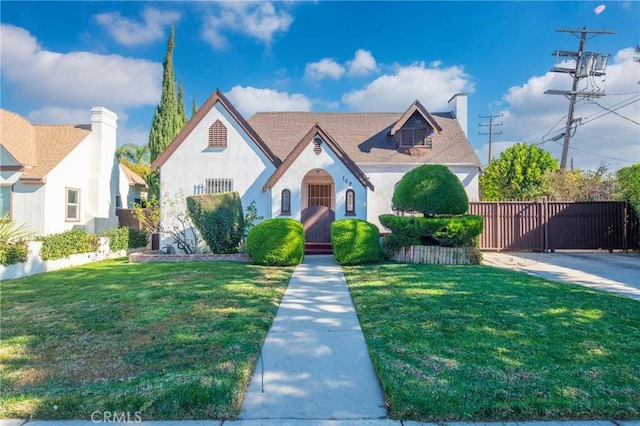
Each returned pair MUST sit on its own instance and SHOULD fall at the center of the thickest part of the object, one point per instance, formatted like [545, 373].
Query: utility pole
[490, 132]
[588, 64]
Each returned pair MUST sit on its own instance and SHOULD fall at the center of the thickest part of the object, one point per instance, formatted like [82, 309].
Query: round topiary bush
[355, 242]
[432, 190]
[276, 242]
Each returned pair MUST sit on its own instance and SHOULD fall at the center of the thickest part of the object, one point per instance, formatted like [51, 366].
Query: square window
[72, 205]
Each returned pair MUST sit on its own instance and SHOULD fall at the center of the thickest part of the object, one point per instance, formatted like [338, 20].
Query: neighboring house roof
[364, 136]
[216, 97]
[328, 140]
[17, 137]
[39, 147]
[133, 178]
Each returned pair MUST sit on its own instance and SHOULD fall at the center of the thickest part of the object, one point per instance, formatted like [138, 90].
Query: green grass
[172, 340]
[479, 343]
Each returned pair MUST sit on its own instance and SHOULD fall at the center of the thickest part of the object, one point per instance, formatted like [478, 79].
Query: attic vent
[317, 142]
[217, 135]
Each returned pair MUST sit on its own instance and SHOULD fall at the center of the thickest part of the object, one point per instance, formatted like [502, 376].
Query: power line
[588, 64]
[602, 114]
[596, 154]
[490, 132]
[619, 115]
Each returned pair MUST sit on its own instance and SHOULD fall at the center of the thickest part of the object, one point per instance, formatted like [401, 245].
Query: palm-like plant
[136, 154]
[10, 231]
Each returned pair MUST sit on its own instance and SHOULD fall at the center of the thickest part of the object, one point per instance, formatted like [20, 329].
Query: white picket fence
[436, 255]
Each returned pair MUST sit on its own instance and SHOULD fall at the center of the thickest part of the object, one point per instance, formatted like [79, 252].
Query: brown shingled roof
[40, 147]
[364, 136]
[17, 137]
[133, 178]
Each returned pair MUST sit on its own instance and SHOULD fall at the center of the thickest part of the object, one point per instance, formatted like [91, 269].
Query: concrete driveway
[614, 272]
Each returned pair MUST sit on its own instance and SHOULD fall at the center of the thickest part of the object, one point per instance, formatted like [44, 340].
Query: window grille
[319, 195]
[216, 186]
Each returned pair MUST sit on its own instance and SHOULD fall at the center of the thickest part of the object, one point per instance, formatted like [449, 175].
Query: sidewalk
[315, 362]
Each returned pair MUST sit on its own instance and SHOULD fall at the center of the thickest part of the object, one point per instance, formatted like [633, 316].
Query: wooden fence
[546, 226]
[126, 218]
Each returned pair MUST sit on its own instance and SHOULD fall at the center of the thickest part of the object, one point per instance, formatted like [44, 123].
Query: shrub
[14, 245]
[276, 242]
[13, 252]
[458, 231]
[219, 219]
[118, 239]
[64, 244]
[431, 189]
[355, 242]
[137, 238]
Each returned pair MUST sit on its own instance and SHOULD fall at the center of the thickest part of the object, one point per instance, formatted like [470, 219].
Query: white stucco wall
[193, 162]
[309, 161]
[384, 177]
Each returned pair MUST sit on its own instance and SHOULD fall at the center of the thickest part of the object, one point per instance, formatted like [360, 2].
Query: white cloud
[76, 80]
[433, 87]
[532, 116]
[260, 20]
[363, 63]
[131, 33]
[324, 68]
[249, 100]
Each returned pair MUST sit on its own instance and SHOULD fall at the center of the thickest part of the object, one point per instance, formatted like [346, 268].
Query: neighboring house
[132, 188]
[58, 177]
[315, 166]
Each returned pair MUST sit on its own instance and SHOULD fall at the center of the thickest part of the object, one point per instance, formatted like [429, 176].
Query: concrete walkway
[613, 272]
[315, 363]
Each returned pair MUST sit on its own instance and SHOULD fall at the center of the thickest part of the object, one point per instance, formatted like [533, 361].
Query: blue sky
[61, 58]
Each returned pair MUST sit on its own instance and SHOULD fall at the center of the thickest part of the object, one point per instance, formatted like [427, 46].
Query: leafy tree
[628, 185]
[579, 185]
[144, 170]
[517, 174]
[134, 153]
[168, 118]
[194, 107]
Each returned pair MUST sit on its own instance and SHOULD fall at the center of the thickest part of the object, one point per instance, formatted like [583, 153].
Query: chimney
[458, 106]
[103, 179]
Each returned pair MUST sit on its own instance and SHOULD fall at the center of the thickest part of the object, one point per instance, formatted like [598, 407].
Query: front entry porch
[318, 201]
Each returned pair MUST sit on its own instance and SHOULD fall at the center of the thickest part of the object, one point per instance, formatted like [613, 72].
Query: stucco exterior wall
[385, 177]
[309, 161]
[193, 162]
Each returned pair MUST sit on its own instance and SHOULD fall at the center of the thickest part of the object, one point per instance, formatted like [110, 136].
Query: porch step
[318, 248]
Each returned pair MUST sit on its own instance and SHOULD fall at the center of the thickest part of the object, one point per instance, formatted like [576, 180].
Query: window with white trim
[216, 186]
[5, 200]
[217, 135]
[72, 204]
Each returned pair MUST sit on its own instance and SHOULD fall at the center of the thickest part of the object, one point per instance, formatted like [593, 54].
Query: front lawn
[165, 340]
[479, 343]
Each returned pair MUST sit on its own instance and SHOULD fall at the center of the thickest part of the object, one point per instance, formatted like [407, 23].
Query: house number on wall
[346, 180]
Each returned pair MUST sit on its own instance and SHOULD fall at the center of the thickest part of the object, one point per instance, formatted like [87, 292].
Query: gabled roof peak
[416, 106]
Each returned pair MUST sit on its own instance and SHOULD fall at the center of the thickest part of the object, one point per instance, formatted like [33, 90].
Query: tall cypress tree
[194, 107]
[169, 116]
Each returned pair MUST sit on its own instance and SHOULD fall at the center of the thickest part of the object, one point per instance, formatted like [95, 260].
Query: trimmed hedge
[220, 220]
[118, 239]
[458, 231]
[355, 242]
[12, 252]
[276, 242]
[64, 244]
[137, 238]
[431, 189]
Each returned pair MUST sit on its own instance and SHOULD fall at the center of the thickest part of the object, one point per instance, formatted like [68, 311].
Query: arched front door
[318, 191]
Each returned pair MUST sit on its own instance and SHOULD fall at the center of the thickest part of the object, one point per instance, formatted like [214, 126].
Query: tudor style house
[315, 167]
[57, 177]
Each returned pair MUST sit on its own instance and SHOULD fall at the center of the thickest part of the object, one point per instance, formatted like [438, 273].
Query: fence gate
[542, 226]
